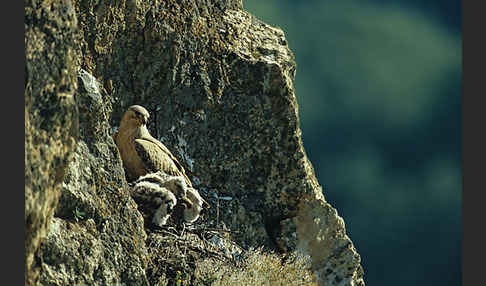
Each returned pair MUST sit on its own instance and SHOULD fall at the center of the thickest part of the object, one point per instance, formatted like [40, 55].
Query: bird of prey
[155, 202]
[160, 180]
[191, 214]
[140, 152]
[189, 197]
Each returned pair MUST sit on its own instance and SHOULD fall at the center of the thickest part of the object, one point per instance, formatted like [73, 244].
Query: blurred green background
[379, 90]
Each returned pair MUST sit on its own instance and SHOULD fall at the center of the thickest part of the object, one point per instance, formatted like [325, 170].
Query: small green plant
[179, 278]
[78, 214]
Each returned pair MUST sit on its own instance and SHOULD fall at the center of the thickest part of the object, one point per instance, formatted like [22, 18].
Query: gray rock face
[219, 86]
[97, 235]
[50, 114]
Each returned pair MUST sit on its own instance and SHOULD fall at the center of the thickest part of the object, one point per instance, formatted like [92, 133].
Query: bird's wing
[156, 157]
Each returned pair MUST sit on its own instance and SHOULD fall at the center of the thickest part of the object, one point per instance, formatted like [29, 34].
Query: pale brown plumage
[141, 153]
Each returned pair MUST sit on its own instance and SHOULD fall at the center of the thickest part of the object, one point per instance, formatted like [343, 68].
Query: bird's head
[135, 116]
[195, 207]
[166, 201]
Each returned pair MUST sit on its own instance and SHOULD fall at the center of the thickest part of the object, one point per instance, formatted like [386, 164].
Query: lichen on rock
[97, 230]
[50, 115]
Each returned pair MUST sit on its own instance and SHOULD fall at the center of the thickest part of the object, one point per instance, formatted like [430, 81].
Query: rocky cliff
[219, 86]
